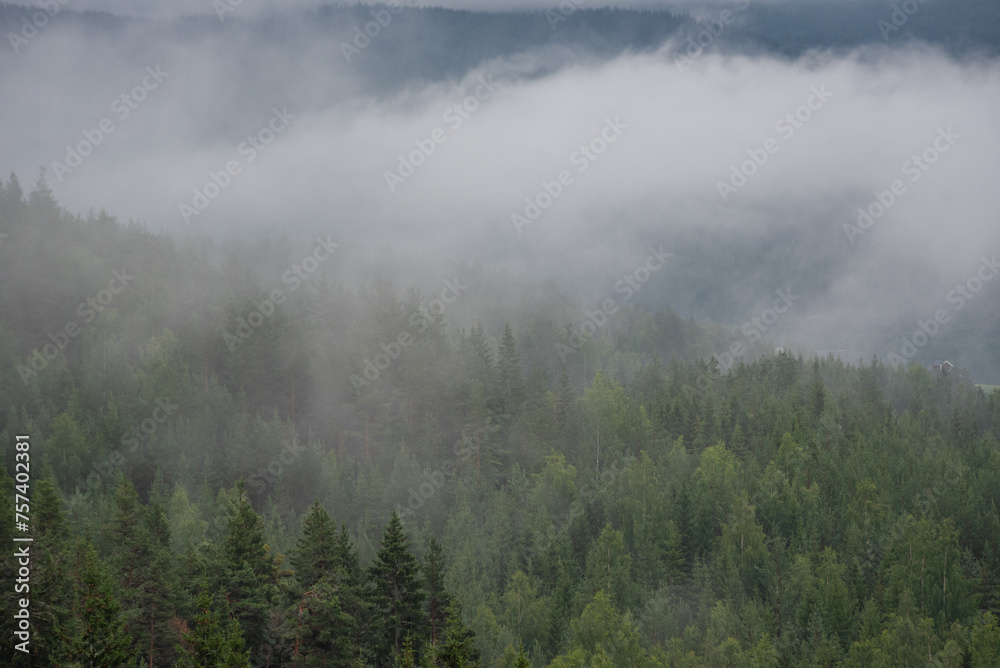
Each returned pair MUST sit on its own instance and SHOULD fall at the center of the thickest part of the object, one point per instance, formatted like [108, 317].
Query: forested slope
[309, 486]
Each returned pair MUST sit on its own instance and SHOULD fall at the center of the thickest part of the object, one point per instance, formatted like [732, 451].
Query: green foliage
[102, 639]
[458, 649]
[396, 594]
[784, 513]
[210, 643]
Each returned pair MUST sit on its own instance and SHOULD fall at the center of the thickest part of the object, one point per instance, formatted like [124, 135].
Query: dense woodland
[200, 498]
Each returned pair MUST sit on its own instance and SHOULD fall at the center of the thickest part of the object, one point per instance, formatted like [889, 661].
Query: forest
[350, 478]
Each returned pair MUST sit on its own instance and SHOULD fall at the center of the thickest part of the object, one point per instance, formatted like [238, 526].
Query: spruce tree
[144, 571]
[396, 594]
[51, 577]
[101, 640]
[510, 383]
[481, 363]
[564, 400]
[323, 630]
[159, 587]
[250, 574]
[459, 648]
[437, 598]
[315, 555]
[352, 593]
[212, 645]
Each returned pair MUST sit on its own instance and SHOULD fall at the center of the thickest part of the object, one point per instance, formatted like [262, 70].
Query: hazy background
[656, 185]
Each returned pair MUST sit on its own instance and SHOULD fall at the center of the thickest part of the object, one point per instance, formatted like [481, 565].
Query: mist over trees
[201, 503]
[347, 335]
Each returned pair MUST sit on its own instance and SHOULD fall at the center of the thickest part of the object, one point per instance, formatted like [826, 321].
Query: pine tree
[102, 640]
[352, 594]
[143, 568]
[515, 658]
[397, 595]
[211, 645]
[482, 365]
[565, 397]
[437, 598]
[315, 555]
[323, 629]
[459, 648]
[328, 609]
[510, 383]
[249, 578]
[51, 580]
[161, 587]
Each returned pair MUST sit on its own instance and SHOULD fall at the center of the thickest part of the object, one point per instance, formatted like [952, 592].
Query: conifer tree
[396, 596]
[437, 598]
[323, 629]
[352, 594]
[144, 570]
[564, 399]
[315, 555]
[51, 578]
[510, 383]
[249, 577]
[459, 648]
[101, 640]
[212, 644]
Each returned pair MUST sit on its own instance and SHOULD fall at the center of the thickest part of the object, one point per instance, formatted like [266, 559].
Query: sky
[672, 131]
[158, 9]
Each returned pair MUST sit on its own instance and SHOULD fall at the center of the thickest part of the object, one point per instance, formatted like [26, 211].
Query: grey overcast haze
[500, 333]
[689, 121]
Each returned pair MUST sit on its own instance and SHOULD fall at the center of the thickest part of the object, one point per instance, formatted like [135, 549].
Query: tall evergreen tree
[210, 644]
[101, 640]
[482, 365]
[564, 400]
[315, 555]
[323, 630]
[458, 650]
[510, 382]
[249, 580]
[51, 577]
[159, 588]
[397, 594]
[352, 594]
[144, 571]
[437, 598]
